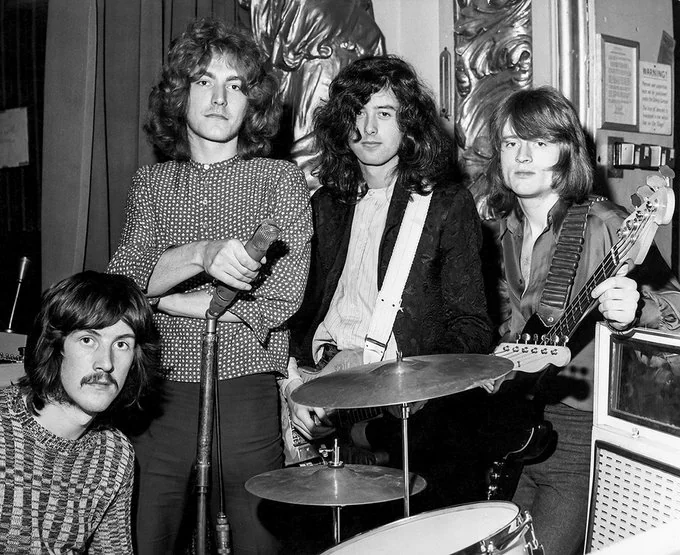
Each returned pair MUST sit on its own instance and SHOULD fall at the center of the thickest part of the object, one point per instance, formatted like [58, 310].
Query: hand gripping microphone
[256, 247]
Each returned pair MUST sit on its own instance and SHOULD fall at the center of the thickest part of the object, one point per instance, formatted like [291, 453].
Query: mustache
[101, 378]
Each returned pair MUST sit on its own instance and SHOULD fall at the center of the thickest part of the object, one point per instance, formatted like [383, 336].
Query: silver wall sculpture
[492, 58]
[308, 42]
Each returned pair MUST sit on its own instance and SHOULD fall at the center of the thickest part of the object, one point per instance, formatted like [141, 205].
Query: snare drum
[473, 529]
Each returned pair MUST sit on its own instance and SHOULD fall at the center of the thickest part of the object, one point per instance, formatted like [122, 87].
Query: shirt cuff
[146, 264]
[292, 375]
[658, 312]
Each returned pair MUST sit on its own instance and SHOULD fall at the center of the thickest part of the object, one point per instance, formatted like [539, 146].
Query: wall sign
[13, 138]
[656, 98]
[620, 61]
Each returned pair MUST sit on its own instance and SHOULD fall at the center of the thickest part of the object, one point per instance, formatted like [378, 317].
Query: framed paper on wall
[620, 67]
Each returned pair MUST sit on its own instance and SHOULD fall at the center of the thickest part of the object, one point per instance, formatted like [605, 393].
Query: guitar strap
[388, 302]
[565, 261]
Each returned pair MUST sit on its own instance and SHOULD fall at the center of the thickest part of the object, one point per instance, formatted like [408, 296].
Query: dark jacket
[444, 307]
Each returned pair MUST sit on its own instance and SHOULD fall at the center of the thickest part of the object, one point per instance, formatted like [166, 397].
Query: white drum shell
[454, 530]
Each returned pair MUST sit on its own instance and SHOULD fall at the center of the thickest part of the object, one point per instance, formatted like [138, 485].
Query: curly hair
[88, 300]
[188, 57]
[541, 113]
[426, 154]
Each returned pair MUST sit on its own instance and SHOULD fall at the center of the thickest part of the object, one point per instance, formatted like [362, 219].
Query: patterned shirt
[59, 495]
[176, 203]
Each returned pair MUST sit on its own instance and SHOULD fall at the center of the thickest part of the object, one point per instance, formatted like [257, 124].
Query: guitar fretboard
[583, 302]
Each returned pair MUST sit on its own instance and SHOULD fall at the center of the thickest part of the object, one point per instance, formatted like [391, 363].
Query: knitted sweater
[58, 495]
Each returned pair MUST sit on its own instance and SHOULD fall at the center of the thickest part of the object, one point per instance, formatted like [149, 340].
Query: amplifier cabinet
[635, 464]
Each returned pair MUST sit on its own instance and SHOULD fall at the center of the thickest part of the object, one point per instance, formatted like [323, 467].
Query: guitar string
[565, 325]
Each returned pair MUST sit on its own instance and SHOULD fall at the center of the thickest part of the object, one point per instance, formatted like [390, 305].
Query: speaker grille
[631, 494]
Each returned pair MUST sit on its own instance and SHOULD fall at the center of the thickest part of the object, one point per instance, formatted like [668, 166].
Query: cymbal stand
[405, 412]
[335, 463]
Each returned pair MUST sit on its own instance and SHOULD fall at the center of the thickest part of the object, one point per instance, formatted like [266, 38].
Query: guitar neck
[583, 301]
[349, 417]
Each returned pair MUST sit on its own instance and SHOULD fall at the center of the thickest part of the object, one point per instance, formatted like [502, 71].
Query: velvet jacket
[443, 303]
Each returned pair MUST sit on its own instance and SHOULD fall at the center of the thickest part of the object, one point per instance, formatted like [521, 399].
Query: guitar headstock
[654, 206]
[656, 197]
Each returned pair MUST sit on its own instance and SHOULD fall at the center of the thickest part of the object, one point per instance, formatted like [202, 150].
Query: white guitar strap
[388, 302]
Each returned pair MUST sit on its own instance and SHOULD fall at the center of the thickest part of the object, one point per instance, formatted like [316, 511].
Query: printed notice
[620, 83]
[656, 98]
[13, 138]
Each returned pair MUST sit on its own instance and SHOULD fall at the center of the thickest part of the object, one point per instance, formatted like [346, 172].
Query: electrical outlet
[612, 171]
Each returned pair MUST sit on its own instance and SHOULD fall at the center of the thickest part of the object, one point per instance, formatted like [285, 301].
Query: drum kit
[484, 527]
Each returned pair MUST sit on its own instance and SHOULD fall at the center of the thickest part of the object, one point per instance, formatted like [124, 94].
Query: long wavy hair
[426, 154]
[541, 113]
[188, 58]
[88, 300]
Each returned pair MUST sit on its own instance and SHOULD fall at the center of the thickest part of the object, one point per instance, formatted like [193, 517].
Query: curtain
[102, 59]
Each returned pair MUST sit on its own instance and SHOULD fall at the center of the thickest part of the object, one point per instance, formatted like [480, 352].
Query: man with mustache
[214, 114]
[67, 474]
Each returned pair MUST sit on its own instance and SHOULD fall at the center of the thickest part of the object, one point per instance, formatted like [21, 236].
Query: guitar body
[349, 426]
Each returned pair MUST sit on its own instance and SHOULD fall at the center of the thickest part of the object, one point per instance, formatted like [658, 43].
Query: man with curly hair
[67, 474]
[382, 146]
[214, 114]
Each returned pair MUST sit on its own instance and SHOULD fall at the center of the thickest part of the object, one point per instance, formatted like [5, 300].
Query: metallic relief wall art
[308, 42]
[492, 59]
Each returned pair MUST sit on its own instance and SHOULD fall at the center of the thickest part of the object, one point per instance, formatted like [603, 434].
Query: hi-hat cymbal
[401, 381]
[350, 484]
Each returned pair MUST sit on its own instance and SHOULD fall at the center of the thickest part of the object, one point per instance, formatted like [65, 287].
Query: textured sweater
[60, 495]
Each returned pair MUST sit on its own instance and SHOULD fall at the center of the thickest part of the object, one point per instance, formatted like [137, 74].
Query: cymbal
[395, 382]
[326, 485]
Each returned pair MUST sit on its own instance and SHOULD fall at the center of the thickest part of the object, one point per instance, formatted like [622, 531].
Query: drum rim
[429, 514]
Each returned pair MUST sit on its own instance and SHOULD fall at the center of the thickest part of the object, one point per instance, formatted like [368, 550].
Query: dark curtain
[102, 59]
[22, 59]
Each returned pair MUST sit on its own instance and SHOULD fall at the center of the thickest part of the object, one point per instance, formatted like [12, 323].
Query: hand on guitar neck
[616, 298]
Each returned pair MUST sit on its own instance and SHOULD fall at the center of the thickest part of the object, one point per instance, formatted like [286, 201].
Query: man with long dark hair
[382, 148]
[214, 114]
[542, 176]
[67, 474]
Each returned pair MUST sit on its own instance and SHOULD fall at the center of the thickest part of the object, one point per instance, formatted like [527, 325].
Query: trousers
[166, 451]
[555, 491]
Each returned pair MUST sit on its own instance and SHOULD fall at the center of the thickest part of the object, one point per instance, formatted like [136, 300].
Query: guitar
[540, 345]
[299, 451]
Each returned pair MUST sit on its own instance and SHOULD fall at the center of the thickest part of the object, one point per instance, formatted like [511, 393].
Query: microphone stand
[207, 411]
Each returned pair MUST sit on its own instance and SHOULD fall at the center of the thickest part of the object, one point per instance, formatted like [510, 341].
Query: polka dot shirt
[176, 203]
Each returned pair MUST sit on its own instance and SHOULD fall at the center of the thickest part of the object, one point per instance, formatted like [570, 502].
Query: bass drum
[473, 529]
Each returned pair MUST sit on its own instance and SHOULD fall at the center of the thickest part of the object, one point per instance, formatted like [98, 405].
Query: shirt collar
[514, 222]
[383, 193]
[214, 165]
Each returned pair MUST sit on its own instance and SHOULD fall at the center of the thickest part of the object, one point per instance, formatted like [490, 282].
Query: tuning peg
[656, 181]
[668, 173]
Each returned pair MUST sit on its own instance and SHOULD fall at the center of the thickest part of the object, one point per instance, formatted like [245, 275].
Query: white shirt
[351, 308]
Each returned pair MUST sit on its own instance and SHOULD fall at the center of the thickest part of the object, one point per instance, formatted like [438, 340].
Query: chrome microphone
[24, 263]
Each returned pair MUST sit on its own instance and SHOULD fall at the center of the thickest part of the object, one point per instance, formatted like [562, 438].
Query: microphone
[256, 247]
[24, 263]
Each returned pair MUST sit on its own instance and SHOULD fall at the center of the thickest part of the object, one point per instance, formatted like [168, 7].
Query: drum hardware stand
[335, 463]
[208, 411]
[405, 412]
